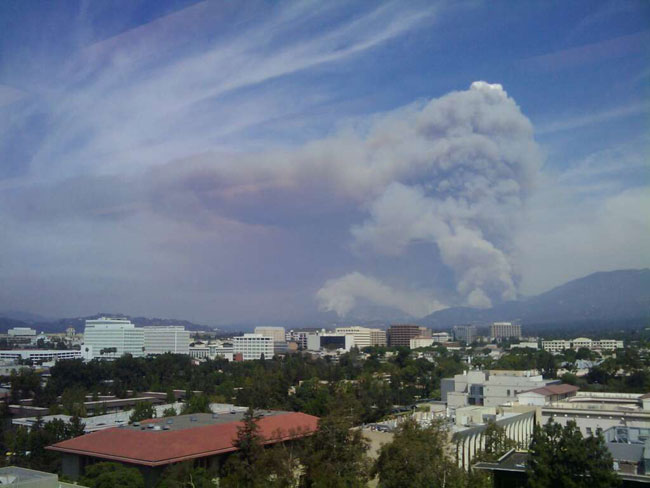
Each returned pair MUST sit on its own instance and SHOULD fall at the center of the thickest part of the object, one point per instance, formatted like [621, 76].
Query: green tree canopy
[418, 458]
[111, 475]
[142, 411]
[243, 467]
[335, 456]
[560, 456]
[186, 475]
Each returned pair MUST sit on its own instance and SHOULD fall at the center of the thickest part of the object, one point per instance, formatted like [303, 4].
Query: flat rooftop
[197, 420]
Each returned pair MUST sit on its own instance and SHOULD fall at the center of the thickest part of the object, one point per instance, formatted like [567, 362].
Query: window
[508, 392]
[589, 432]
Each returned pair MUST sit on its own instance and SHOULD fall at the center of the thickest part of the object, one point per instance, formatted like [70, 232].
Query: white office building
[560, 345]
[39, 355]
[253, 346]
[161, 339]
[418, 342]
[108, 338]
[364, 336]
[505, 330]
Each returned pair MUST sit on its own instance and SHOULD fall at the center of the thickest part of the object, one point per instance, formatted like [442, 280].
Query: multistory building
[253, 346]
[108, 338]
[364, 336]
[21, 332]
[505, 330]
[401, 334]
[39, 355]
[465, 333]
[560, 345]
[277, 333]
[489, 388]
[441, 336]
[171, 338]
[317, 341]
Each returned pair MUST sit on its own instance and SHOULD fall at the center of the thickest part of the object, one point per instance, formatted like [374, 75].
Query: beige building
[364, 336]
[277, 333]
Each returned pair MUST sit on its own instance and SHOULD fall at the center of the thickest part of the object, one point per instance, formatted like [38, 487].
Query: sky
[262, 161]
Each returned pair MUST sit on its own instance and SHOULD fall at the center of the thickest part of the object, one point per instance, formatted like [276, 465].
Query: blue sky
[250, 161]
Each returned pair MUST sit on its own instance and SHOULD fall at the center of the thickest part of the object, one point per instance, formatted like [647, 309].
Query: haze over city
[239, 161]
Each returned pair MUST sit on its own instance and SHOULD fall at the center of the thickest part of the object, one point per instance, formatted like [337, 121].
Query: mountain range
[621, 295]
[602, 296]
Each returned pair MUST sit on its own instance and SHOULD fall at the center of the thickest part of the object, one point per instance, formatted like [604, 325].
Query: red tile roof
[549, 390]
[156, 448]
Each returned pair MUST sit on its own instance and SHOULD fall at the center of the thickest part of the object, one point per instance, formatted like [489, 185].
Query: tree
[75, 427]
[169, 412]
[142, 411]
[335, 456]
[111, 475]
[242, 468]
[197, 404]
[560, 456]
[497, 443]
[417, 457]
[73, 400]
[186, 475]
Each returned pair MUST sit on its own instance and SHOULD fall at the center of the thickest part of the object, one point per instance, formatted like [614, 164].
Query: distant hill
[602, 296]
[78, 323]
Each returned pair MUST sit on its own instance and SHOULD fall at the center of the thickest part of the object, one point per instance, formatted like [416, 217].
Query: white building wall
[252, 346]
[163, 339]
[121, 334]
[417, 342]
[364, 336]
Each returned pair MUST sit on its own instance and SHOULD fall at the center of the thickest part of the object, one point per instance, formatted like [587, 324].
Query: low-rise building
[29, 478]
[595, 412]
[525, 345]
[153, 445]
[560, 345]
[418, 342]
[39, 355]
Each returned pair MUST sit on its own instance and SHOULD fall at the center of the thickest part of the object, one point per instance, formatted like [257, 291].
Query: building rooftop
[15, 476]
[550, 390]
[168, 440]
